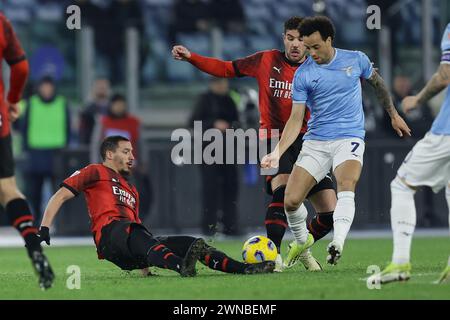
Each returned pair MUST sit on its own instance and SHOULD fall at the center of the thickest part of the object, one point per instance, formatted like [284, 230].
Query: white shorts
[428, 163]
[317, 157]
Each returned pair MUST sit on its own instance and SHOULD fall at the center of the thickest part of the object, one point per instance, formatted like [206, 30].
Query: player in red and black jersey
[119, 235]
[14, 202]
[274, 71]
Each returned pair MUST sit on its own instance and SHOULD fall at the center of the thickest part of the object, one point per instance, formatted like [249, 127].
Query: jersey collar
[293, 64]
[332, 60]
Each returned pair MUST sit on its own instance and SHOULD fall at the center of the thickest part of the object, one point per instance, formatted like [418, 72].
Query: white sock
[403, 220]
[447, 197]
[343, 215]
[297, 223]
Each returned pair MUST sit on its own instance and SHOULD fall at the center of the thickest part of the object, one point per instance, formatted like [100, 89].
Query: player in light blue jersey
[428, 164]
[329, 83]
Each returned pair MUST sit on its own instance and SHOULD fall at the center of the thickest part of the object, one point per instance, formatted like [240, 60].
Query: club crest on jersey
[348, 71]
[124, 196]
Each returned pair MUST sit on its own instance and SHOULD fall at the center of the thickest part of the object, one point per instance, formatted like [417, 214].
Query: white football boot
[278, 264]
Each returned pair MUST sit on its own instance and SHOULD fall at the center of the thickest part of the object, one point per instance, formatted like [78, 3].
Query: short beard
[124, 173]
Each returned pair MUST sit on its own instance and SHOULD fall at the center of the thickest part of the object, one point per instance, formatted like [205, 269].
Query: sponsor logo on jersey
[277, 69]
[277, 84]
[124, 196]
[283, 89]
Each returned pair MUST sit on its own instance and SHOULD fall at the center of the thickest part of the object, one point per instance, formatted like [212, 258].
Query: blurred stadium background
[162, 92]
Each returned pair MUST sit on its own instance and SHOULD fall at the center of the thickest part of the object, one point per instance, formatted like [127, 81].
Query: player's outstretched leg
[158, 254]
[20, 217]
[217, 260]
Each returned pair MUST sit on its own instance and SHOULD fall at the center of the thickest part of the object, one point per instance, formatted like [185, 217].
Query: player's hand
[180, 53]
[14, 111]
[400, 126]
[409, 103]
[270, 160]
[44, 235]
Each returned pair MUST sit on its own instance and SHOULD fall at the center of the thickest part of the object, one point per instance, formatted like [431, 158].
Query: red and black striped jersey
[274, 73]
[108, 194]
[12, 52]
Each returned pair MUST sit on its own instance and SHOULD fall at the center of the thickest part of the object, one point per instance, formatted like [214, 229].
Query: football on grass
[258, 249]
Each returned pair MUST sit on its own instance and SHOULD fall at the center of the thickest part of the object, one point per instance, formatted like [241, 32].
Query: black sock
[321, 225]
[161, 256]
[218, 260]
[142, 244]
[276, 221]
[20, 217]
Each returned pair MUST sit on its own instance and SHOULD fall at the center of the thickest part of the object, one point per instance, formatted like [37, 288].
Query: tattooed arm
[382, 92]
[436, 84]
[384, 97]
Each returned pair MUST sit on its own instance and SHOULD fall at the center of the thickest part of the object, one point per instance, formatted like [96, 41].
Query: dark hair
[46, 79]
[321, 24]
[292, 23]
[110, 144]
[118, 97]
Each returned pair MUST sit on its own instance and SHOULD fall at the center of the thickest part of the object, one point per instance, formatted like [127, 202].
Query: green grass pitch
[103, 280]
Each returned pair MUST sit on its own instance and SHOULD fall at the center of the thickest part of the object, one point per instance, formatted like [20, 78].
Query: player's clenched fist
[409, 103]
[180, 53]
[270, 160]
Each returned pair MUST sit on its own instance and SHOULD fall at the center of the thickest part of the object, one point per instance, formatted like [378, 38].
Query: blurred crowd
[247, 26]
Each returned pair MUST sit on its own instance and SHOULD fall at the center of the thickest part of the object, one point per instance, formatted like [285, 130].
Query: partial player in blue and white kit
[329, 83]
[427, 164]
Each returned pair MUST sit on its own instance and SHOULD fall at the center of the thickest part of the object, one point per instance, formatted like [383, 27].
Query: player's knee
[399, 186]
[291, 203]
[346, 184]
[9, 191]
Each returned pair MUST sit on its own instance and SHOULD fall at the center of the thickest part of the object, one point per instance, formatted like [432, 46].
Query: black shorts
[6, 157]
[286, 164]
[114, 244]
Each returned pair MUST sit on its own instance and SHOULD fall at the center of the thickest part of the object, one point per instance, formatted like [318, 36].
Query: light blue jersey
[332, 92]
[441, 124]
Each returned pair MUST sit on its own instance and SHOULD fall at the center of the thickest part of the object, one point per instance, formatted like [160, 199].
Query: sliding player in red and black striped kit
[274, 71]
[119, 235]
[14, 202]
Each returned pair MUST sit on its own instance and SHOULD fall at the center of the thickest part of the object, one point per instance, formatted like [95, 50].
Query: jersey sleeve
[81, 179]
[248, 66]
[365, 65]
[213, 66]
[299, 87]
[445, 46]
[12, 52]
